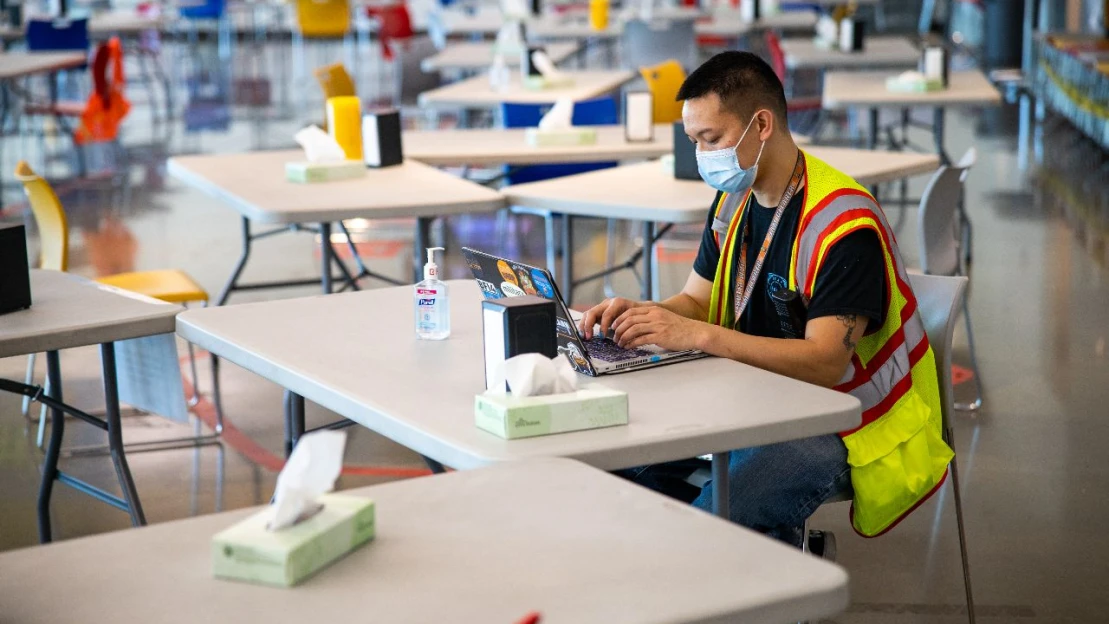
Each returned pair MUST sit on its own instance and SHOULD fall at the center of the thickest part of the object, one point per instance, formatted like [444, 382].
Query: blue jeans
[773, 488]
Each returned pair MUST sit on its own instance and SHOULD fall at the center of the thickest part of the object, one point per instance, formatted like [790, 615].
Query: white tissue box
[306, 172]
[590, 407]
[249, 552]
[537, 137]
[537, 83]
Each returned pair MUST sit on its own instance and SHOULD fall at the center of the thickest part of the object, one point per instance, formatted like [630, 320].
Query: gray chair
[410, 80]
[645, 44]
[944, 233]
[938, 302]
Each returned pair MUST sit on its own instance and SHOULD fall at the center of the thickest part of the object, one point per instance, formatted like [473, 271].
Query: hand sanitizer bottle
[433, 306]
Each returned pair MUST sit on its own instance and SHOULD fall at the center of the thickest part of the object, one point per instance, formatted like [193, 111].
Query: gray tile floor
[1031, 460]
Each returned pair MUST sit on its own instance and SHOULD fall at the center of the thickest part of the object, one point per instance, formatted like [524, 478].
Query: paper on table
[149, 376]
[310, 471]
[318, 145]
[560, 117]
[532, 374]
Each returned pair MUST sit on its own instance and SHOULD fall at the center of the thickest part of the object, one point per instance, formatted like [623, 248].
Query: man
[798, 273]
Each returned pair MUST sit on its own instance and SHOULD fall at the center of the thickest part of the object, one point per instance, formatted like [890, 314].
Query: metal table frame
[129, 502]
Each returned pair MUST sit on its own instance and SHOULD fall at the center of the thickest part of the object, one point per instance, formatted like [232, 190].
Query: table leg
[115, 434]
[938, 118]
[325, 257]
[294, 423]
[567, 272]
[720, 484]
[53, 448]
[872, 136]
[423, 241]
[647, 290]
[225, 292]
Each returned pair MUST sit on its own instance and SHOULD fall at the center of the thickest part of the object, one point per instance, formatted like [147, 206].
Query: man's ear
[765, 121]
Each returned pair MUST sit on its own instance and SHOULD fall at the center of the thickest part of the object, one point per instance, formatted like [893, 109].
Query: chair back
[939, 228]
[334, 81]
[206, 10]
[664, 80]
[645, 44]
[777, 55]
[58, 35]
[596, 112]
[939, 299]
[393, 21]
[411, 79]
[49, 216]
[323, 18]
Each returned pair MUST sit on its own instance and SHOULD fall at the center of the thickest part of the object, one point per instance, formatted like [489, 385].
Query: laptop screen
[499, 277]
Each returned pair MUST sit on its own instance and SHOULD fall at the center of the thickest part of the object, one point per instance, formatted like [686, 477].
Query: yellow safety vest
[897, 455]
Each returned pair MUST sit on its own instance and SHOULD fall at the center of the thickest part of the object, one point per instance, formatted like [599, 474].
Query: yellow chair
[334, 81]
[664, 80]
[168, 285]
[323, 18]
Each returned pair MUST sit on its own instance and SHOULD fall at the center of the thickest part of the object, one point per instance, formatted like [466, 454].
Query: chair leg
[40, 437]
[30, 381]
[977, 402]
[962, 539]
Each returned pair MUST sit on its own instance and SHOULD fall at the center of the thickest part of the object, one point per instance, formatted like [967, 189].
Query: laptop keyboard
[608, 351]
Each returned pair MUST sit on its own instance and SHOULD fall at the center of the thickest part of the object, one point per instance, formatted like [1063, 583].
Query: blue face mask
[721, 168]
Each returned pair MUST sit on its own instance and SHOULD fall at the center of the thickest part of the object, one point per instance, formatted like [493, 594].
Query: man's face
[712, 127]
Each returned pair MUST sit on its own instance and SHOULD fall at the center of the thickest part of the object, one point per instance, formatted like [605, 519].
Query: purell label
[426, 291]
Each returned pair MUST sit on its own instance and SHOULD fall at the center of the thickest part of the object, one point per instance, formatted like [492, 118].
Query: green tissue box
[248, 552]
[538, 83]
[537, 137]
[591, 407]
[310, 172]
[893, 85]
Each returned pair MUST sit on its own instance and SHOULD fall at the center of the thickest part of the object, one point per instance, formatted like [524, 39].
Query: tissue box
[537, 137]
[895, 85]
[248, 552]
[591, 407]
[310, 172]
[537, 83]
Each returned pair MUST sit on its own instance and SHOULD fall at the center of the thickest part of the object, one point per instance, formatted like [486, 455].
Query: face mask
[721, 169]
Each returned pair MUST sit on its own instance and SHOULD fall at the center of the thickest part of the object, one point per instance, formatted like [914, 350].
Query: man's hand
[658, 326]
[605, 313]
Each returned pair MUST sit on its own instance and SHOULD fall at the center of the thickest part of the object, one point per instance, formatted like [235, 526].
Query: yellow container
[344, 123]
[598, 14]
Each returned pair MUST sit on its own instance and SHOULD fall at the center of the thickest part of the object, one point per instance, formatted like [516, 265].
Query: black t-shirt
[852, 279]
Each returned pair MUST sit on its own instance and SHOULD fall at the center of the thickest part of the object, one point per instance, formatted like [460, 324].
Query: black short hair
[743, 81]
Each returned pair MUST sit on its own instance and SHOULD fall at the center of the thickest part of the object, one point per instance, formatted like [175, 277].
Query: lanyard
[744, 285]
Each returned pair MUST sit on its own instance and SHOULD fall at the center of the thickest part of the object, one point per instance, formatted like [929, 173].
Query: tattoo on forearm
[849, 321]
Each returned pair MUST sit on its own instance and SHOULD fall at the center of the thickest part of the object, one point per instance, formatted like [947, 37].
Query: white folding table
[879, 53]
[254, 184]
[476, 94]
[548, 536]
[68, 311]
[647, 192]
[844, 90]
[363, 362]
[509, 146]
[729, 24]
[477, 56]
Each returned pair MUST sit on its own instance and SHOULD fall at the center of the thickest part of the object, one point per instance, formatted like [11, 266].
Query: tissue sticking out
[318, 145]
[560, 116]
[310, 471]
[533, 374]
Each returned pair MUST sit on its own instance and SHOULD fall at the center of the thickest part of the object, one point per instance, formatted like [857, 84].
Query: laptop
[500, 277]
